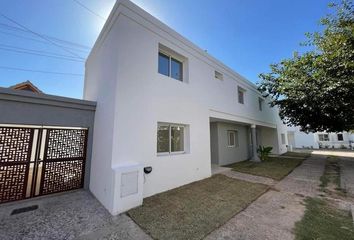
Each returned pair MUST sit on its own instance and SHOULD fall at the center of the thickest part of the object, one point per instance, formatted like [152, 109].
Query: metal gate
[36, 161]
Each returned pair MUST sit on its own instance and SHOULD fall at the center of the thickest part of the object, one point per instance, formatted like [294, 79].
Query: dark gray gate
[39, 161]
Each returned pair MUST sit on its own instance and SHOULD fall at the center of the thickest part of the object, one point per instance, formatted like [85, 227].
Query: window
[171, 67]
[260, 104]
[219, 75]
[170, 138]
[241, 95]
[323, 137]
[283, 138]
[232, 138]
[340, 136]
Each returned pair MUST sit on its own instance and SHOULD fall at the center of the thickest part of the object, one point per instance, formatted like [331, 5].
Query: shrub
[264, 152]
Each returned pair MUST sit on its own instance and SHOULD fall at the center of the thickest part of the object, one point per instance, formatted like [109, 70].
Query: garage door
[36, 161]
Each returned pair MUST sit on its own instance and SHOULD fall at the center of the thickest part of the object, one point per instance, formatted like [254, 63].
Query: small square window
[218, 75]
[340, 136]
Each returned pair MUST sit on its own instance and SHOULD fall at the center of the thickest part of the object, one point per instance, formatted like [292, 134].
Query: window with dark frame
[340, 137]
[170, 66]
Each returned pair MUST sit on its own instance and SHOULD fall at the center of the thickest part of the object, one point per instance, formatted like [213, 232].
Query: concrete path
[250, 178]
[347, 175]
[273, 215]
[72, 215]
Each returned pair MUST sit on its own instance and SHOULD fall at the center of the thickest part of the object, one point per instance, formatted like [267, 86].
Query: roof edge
[162, 26]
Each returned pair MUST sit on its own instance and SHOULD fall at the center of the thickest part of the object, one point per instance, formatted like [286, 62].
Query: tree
[315, 90]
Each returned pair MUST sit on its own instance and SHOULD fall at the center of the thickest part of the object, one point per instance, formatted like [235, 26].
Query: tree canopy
[315, 90]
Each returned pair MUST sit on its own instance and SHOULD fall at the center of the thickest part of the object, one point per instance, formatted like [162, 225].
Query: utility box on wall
[128, 186]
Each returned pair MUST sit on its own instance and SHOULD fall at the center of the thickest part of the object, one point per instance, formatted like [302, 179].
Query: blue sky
[247, 35]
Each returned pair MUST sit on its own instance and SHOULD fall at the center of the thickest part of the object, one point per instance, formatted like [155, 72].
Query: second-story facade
[166, 111]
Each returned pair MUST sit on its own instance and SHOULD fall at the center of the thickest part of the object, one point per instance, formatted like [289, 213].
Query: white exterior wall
[122, 76]
[311, 140]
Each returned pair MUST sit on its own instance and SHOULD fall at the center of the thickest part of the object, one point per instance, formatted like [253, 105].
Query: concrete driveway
[72, 215]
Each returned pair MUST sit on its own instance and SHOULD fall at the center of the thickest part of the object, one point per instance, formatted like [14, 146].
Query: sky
[54, 37]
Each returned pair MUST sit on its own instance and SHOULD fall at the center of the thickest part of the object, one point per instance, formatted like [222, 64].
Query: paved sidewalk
[273, 215]
[347, 175]
[250, 178]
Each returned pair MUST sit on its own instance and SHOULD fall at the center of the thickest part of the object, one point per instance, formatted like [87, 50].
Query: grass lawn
[297, 154]
[323, 221]
[194, 210]
[275, 167]
[330, 180]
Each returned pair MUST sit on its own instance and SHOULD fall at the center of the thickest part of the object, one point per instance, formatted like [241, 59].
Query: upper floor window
[218, 75]
[170, 66]
[340, 136]
[323, 137]
[260, 104]
[241, 95]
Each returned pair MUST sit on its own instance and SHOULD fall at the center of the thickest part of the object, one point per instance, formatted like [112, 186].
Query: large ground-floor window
[170, 138]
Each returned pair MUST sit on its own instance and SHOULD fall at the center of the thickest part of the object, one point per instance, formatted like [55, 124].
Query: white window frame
[342, 137]
[170, 125]
[170, 56]
[243, 91]
[235, 133]
[323, 137]
[218, 75]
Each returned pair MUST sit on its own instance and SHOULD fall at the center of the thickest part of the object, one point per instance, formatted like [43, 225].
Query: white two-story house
[166, 111]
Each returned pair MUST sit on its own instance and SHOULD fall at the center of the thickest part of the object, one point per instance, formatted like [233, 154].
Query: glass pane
[163, 139]
[176, 69]
[164, 64]
[177, 139]
[240, 96]
[236, 139]
[231, 138]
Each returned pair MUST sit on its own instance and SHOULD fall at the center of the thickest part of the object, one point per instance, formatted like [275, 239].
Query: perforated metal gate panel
[39, 161]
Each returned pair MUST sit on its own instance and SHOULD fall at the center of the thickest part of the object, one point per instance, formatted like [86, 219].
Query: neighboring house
[298, 139]
[166, 106]
[26, 86]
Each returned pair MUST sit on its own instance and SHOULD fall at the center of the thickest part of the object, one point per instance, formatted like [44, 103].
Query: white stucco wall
[311, 140]
[122, 76]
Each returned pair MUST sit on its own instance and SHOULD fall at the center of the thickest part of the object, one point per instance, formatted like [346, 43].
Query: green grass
[194, 210]
[330, 180]
[325, 222]
[275, 167]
